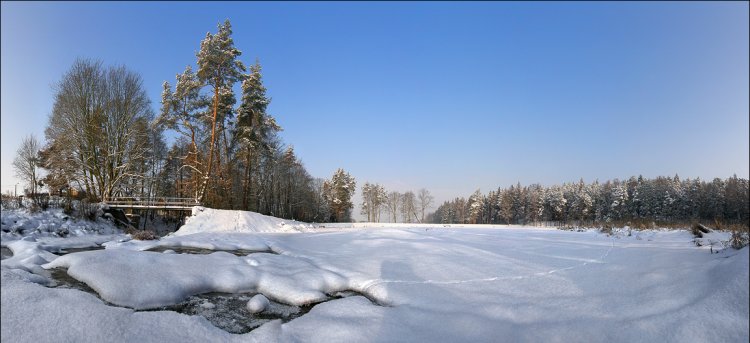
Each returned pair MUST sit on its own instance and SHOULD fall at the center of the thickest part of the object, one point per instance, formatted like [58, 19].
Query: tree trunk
[206, 177]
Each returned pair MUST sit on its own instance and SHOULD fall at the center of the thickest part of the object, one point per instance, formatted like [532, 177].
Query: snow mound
[211, 220]
[142, 280]
[257, 304]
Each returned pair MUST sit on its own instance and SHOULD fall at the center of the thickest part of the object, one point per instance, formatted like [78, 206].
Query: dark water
[63, 280]
[201, 251]
[226, 311]
[74, 250]
[5, 253]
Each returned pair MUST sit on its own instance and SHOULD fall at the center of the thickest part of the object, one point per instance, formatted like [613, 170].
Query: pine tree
[476, 205]
[338, 193]
[618, 205]
[556, 203]
[534, 203]
[505, 204]
[182, 111]
[255, 127]
[219, 68]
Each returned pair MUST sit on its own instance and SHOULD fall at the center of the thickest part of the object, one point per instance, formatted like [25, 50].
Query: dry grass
[144, 235]
[740, 237]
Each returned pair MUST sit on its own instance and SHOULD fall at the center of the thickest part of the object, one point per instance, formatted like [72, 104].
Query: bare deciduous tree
[99, 123]
[27, 163]
[425, 200]
[392, 203]
[408, 207]
[373, 198]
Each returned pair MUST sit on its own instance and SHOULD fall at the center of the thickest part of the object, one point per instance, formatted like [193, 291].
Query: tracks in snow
[372, 283]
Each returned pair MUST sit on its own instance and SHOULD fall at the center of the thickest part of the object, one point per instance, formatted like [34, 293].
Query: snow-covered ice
[402, 283]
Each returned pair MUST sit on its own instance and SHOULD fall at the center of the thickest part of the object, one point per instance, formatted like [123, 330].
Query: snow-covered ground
[382, 283]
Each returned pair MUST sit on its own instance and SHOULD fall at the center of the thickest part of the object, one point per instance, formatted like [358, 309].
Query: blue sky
[450, 96]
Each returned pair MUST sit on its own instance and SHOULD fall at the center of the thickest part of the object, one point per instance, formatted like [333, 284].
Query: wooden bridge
[135, 203]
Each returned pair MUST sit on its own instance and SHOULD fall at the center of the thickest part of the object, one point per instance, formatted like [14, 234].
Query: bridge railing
[156, 202]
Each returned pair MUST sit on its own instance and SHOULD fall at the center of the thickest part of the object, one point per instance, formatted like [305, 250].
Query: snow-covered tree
[219, 68]
[338, 192]
[556, 203]
[183, 111]
[618, 207]
[255, 128]
[663, 199]
[736, 199]
[534, 203]
[505, 205]
[476, 207]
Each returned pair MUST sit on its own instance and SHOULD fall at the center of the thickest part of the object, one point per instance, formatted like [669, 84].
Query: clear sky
[449, 96]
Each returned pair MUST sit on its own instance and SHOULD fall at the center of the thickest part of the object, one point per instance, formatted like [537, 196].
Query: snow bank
[143, 280]
[202, 240]
[35, 237]
[50, 223]
[28, 256]
[211, 220]
[33, 313]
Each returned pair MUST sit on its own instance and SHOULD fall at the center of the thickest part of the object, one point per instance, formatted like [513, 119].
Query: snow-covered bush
[11, 202]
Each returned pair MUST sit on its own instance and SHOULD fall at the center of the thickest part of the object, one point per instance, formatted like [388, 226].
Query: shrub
[739, 239]
[42, 201]
[87, 210]
[67, 206]
[8, 201]
[34, 208]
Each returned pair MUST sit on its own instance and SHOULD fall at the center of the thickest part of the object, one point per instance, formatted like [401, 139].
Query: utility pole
[15, 190]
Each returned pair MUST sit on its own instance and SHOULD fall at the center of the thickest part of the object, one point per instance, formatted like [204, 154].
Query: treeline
[104, 140]
[666, 200]
[408, 206]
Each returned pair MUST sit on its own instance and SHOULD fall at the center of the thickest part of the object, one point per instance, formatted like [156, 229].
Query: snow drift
[211, 220]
